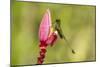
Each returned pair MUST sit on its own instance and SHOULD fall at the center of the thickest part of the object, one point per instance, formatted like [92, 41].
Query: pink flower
[46, 35]
[45, 25]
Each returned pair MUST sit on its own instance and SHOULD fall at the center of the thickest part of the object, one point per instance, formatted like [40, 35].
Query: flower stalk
[47, 36]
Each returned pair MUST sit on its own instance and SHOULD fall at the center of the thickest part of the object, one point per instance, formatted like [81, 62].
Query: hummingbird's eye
[57, 20]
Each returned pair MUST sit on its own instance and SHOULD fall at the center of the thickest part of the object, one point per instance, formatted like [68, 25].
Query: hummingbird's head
[57, 20]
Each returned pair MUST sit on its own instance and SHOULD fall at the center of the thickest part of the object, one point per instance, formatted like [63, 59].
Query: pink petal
[45, 26]
[52, 39]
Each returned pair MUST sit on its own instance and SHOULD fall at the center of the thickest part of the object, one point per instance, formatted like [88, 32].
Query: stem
[42, 53]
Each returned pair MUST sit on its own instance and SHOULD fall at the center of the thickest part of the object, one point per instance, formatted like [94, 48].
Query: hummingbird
[57, 27]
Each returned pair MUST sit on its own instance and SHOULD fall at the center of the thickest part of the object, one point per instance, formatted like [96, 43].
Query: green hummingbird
[57, 27]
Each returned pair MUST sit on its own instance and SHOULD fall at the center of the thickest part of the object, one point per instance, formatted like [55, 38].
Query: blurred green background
[78, 25]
